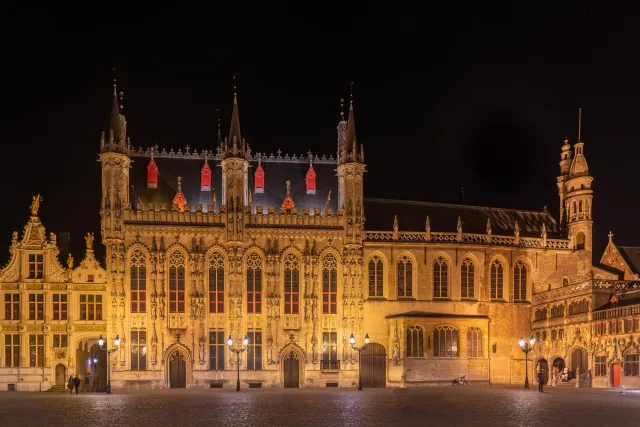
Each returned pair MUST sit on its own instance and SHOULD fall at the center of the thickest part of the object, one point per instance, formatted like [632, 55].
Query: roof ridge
[417, 202]
[628, 247]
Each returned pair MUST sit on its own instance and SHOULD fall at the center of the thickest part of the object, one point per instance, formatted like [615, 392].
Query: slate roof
[444, 217]
[631, 255]
[436, 315]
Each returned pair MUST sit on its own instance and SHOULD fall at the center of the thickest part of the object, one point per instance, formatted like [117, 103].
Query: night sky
[441, 100]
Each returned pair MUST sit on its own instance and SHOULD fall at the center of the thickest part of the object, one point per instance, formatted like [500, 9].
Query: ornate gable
[89, 270]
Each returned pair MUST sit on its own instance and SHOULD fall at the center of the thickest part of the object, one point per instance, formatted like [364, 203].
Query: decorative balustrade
[613, 313]
[586, 287]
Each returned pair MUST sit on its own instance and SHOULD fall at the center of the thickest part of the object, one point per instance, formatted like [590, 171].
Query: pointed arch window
[152, 174]
[376, 276]
[329, 284]
[415, 341]
[258, 180]
[291, 284]
[205, 177]
[405, 277]
[445, 342]
[138, 281]
[216, 283]
[497, 280]
[474, 342]
[311, 180]
[440, 278]
[176, 283]
[254, 283]
[520, 281]
[467, 277]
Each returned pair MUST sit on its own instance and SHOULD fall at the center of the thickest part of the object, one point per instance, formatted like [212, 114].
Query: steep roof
[631, 255]
[412, 216]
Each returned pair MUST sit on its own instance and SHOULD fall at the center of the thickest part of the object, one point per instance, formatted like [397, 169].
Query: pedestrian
[76, 383]
[541, 381]
[70, 384]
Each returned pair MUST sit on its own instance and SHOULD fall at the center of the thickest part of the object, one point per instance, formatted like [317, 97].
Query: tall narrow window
[60, 302]
[440, 278]
[330, 351]
[254, 351]
[474, 342]
[631, 365]
[138, 350]
[520, 281]
[176, 283]
[601, 366]
[445, 342]
[36, 351]
[216, 283]
[216, 350]
[376, 275]
[497, 280]
[36, 306]
[405, 277]
[415, 341]
[12, 350]
[329, 284]
[36, 266]
[90, 307]
[467, 279]
[291, 284]
[12, 306]
[258, 180]
[138, 276]
[254, 283]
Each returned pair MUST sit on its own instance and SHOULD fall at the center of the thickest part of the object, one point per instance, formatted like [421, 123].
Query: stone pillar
[578, 377]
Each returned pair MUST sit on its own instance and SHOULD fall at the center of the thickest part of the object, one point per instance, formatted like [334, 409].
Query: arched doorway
[579, 359]
[291, 369]
[61, 375]
[542, 366]
[373, 366]
[97, 369]
[177, 370]
[558, 365]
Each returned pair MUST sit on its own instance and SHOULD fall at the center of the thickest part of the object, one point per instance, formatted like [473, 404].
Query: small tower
[565, 165]
[578, 199]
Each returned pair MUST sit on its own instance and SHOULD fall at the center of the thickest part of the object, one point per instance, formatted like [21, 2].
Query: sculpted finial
[35, 205]
[70, 261]
[89, 239]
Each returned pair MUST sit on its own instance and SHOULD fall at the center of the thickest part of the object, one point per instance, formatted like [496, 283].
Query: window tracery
[254, 283]
[291, 284]
[520, 281]
[415, 341]
[405, 277]
[467, 278]
[216, 282]
[440, 278]
[376, 276]
[176, 282]
[497, 280]
[445, 342]
[138, 281]
[329, 284]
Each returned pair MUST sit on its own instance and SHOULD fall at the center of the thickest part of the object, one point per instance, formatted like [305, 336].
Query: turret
[565, 165]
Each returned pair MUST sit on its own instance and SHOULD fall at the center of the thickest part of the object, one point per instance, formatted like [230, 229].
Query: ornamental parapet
[588, 286]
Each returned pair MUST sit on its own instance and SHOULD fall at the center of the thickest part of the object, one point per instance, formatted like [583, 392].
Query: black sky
[483, 99]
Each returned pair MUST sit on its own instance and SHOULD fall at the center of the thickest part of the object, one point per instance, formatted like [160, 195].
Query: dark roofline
[428, 314]
[213, 156]
[452, 205]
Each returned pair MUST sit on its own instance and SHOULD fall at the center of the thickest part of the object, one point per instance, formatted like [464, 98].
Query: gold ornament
[35, 205]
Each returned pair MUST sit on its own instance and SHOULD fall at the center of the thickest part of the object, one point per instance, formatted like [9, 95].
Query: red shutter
[205, 178]
[152, 175]
[311, 181]
[259, 180]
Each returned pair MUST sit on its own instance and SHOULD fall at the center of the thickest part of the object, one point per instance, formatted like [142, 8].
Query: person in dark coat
[76, 383]
[541, 381]
[70, 384]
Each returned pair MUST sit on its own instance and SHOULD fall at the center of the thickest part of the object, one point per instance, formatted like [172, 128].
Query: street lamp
[116, 343]
[352, 341]
[237, 351]
[526, 347]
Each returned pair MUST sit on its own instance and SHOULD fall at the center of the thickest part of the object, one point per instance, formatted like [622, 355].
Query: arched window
[474, 342]
[467, 278]
[415, 341]
[580, 206]
[580, 241]
[254, 283]
[176, 283]
[216, 283]
[376, 275]
[557, 310]
[544, 335]
[440, 278]
[565, 282]
[561, 334]
[405, 277]
[541, 314]
[554, 335]
[291, 284]
[445, 342]
[520, 281]
[537, 337]
[577, 307]
[329, 284]
[497, 280]
[138, 276]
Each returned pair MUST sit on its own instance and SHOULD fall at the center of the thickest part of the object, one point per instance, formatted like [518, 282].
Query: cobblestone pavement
[428, 406]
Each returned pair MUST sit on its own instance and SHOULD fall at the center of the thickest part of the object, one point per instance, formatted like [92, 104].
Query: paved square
[437, 406]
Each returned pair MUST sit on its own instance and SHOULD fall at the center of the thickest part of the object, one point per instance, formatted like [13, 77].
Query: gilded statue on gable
[35, 205]
[70, 261]
[89, 239]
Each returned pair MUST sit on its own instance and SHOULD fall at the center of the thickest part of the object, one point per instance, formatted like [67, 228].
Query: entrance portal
[615, 374]
[579, 359]
[177, 370]
[373, 366]
[291, 368]
[61, 375]
[543, 366]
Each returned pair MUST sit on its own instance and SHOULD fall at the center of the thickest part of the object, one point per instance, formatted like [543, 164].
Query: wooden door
[61, 375]
[579, 359]
[373, 366]
[615, 372]
[291, 368]
[178, 370]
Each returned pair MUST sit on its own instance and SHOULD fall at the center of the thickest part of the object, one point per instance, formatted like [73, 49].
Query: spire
[288, 201]
[234, 131]
[350, 141]
[219, 133]
[114, 126]
[579, 125]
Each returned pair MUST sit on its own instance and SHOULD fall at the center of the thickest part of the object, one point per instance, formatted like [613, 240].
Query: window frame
[375, 270]
[404, 277]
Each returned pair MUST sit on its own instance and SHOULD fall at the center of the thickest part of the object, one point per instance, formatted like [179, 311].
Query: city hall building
[285, 250]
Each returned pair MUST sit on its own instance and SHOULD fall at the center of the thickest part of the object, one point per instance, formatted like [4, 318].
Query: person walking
[541, 381]
[76, 383]
[70, 384]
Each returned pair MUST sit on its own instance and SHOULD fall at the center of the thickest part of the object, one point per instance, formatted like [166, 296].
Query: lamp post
[352, 340]
[237, 351]
[526, 347]
[116, 343]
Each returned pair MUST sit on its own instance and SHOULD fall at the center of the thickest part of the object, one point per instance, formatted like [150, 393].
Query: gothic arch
[302, 357]
[443, 255]
[330, 250]
[289, 250]
[385, 260]
[215, 248]
[475, 264]
[186, 353]
[138, 245]
[471, 256]
[529, 269]
[414, 273]
[177, 246]
[254, 249]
